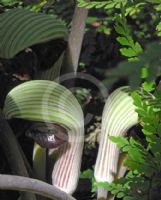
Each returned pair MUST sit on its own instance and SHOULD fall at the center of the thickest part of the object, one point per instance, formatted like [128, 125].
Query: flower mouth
[48, 135]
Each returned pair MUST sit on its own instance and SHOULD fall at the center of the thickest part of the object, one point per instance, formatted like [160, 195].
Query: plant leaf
[23, 28]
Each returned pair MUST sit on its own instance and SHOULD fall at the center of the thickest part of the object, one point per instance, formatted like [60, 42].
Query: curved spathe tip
[119, 116]
[47, 101]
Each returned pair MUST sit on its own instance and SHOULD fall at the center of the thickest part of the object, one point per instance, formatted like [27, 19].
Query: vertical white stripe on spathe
[67, 167]
[118, 116]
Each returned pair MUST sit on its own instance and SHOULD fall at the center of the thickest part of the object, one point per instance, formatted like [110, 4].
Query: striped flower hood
[47, 101]
[119, 116]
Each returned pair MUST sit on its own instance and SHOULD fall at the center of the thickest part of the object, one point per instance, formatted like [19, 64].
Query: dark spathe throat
[48, 135]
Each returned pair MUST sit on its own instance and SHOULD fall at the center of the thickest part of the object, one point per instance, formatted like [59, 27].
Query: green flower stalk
[47, 101]
[118, 117]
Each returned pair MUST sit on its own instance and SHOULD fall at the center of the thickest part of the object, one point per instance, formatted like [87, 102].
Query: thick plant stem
[12, 152]
[76, 39]
[39, 162]
[10, 182]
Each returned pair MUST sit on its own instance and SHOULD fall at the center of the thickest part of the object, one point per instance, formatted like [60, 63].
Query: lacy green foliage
[121, 188]
[32, 5]
[138, 158]
[102, 4]
[143, 179]
[135, 186]
[148, 108]
[64, 9]
[108, 4]
[150, 59]
[132, 53]
[132, 49]
[38, 6]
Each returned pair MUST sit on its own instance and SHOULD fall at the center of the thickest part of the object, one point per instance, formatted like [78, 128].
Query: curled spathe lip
[48, 135]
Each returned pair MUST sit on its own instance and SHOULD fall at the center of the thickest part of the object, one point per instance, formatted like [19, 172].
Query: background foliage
[121, 46]
[141, 67]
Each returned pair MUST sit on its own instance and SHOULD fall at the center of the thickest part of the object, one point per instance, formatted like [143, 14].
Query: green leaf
[23, 28]
[137, 99]
[120, 141]
[90, 20]
[123, 41]
[144, 72]
[146, 132]
[148, 86]
[87, 174]
[120, 30]
[104, 185]
[150, 58]
[128, 52]
[158, 28]
[120, 194]
[138, 48]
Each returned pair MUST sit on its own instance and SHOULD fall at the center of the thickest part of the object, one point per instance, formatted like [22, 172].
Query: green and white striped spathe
[47, 101]
[118, 116]
[23, 28]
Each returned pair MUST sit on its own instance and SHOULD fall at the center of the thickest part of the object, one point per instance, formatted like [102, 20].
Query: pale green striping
[38, 95]
[58, 94]
[116, 113]
[46, 101]
[28, 106]
[118, 116]
[38, 92]
[48, 117]
[35, 103]
[23, 28]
